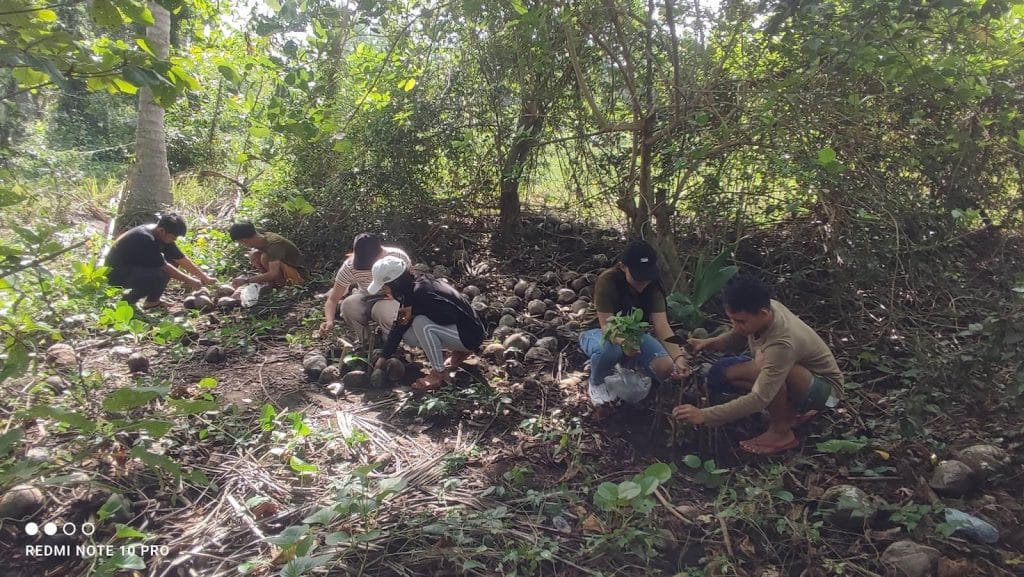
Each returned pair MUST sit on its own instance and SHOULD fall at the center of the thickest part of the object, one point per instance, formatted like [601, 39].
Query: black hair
[401, 287]
[242, 230]
[172, 223]
[746, 294]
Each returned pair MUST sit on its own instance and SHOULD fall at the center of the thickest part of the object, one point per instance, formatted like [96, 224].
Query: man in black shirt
[144, 258]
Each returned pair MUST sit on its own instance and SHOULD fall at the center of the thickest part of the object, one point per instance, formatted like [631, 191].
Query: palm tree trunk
[149, 182]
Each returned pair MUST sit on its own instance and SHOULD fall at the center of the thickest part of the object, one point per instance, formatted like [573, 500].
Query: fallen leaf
[883, 454]
[957, 568]
[265, 509]
[570, 473]
[592, 524]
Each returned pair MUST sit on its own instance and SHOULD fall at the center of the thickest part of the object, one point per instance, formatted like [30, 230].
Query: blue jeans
[604, 356]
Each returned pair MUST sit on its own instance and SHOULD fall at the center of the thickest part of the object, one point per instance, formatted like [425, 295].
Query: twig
[671, 508]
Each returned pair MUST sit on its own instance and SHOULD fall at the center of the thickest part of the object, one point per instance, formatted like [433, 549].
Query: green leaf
[324, 516]
[45, 15]
[155, 428]
[115, 503]
[302, 565]
[290, 536]
[301, 467]
[391, 485]
[137, 11]
[231, 75]
[120, 560]
[407, 84]
[208, 383]
[826, 156]
[141, 43]
[126, 532]
[105, 13]
[518, 6]
[607, 496]
[659, 471]
[159, 462]
[127, 398]
[628, 490]
[9, 440]
[193, 406]
[267, 417]
[848, 446]
[16, 363]
[60, 415]
[338, 538]
[692, 461]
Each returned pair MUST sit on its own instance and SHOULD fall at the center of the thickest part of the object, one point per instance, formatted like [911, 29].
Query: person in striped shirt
[359, 307]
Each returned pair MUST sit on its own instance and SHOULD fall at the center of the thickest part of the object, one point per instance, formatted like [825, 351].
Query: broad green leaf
[115, 503]
[301, 467]
[692, 461]
[843, 445]
[105, 13]
[518, 6]
[303, 565]
[153, 427]
[159, 462]
[16, 362]
[659, 471]
[267, 416]
[45, 15]
[230, 74]
[408, 84]
[208, 383]
[628, 490]
[391, 485]
[193, 406]
[290, 536]
[120, 560]
[9, 440]
[137, 11]
[141, 43]
[127, 398]
[826, 156]
[60, 415]
[324, 516]
[126, 532]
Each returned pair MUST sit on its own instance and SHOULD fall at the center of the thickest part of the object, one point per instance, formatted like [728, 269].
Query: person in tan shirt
[792, 373]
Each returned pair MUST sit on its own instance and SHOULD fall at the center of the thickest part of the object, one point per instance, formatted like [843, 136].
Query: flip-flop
[158, 305]
[774, 450]
[804, 418]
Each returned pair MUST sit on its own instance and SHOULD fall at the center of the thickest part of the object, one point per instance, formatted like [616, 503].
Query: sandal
[148, 306]
[773, 450]
[457, 358]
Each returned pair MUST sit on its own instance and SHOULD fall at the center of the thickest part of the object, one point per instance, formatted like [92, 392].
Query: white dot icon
[50, 529]
[32, 529]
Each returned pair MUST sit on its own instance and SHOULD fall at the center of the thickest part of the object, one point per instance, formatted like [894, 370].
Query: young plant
[709, 279]
[629, 328]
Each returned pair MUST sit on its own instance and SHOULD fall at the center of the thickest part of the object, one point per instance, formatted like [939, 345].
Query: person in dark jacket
[432, 315]
[144, 258]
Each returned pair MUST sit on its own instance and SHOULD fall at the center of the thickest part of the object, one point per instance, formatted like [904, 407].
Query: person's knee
[352, 308]
[662, 367]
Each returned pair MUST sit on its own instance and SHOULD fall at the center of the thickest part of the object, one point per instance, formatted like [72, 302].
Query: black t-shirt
[138, 247]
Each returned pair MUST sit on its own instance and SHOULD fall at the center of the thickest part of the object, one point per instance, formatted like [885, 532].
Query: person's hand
[326, 327]
[688, 413]
[209, 280]
[195, 283]
[699, 344]
[238, 281]
[680, 368]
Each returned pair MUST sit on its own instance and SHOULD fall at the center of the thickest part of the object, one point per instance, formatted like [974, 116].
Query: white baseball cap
[384, 271]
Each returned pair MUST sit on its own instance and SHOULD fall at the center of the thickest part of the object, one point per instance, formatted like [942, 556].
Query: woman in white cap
[439, 317]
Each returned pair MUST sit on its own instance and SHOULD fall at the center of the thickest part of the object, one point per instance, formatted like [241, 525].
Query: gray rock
[549, 343]
[514, 303]
[848, 507]
[534, 293]
[521, 288]
[587, 291]
[225, 290]
[421, 268]
[394, 370]
[952, 478]
[550, 315]
[491, 315]
[565, 228]
[479, 306]
[480, 299]
[699, 333]
[539, 355]
[39, 454]
[494, 351]
[441, 271]
[519, 341]
[204, 304]
[579, 283]
[189, 302]
[336, 389]
[973, 527]
[566, 296]
[569, 276]
[550, 277]
[61, 355]
[580, 306]
[599, 260]
[502, 333]
[507, 321]
[330, 374]
[984, 460]
[20, 501]
[378, 379]
[314, 364]
[471, 291]
[120, 353]
[138, 363]
[215, 354]
[909, 559]
[56, 384]
[356, 380]
[227, 303]
[536, 307]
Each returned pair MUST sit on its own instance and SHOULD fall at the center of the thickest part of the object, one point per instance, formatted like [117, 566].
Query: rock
[970, 526]
[336, 389]
[507, 321]
[421, 268]
[909, 559]
[587, 291]
[952, 478]
[848, 507]
[580, 306]
[699, 333]
[56, 384]
[984, 460]
[61, 355]
[189, 302]
[356, 380]
[549, 343]
[491, 315]
[330, 374]
[521, 288]
[502, 333]
[566, 296]
[599, 260]
[565, 228]
[378, 379]
[20, 501]
[550, 315]
[227, 303]
[120, 353]
[534, 293]
[138, 363]
[314, 364]
[39, 454]
[539, 355]
[579, 283]
[536, 307]
[514, 368]
[442, 271]
[519, 341]
[494, 351]
[479, 307]
[514, 303]
[480, 299]
[471, 291]
[215, 354]
[204, 304]
[394, 370]
[225, 290]
[550, 277]
[202, 292]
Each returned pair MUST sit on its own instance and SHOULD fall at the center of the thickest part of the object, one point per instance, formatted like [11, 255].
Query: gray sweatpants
[433, 339]
[357, 313]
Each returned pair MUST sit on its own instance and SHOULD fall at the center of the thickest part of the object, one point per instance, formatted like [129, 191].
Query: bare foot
[805, 418]
[431, 382]
[456, 359]
[770, 443]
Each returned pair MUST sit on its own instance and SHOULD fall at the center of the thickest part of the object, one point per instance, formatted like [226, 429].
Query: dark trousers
[141, 281]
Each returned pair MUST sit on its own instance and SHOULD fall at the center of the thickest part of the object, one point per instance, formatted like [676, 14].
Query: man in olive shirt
[793, 371]
[278, 261]
[143, 259]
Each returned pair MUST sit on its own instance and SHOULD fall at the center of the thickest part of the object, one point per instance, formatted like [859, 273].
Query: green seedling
[627, 330]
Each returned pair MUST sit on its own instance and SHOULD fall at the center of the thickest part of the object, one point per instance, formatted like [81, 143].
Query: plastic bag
[250, 294]
[628, 385]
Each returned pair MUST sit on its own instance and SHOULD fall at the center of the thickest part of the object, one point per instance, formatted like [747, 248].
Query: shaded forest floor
[499, 472]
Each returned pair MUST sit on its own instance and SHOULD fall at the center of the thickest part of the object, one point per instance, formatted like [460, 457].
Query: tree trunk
[149, 183]
[528, 128]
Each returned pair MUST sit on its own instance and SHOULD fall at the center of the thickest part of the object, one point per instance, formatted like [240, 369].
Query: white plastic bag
[250, 294]
[626, 384]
